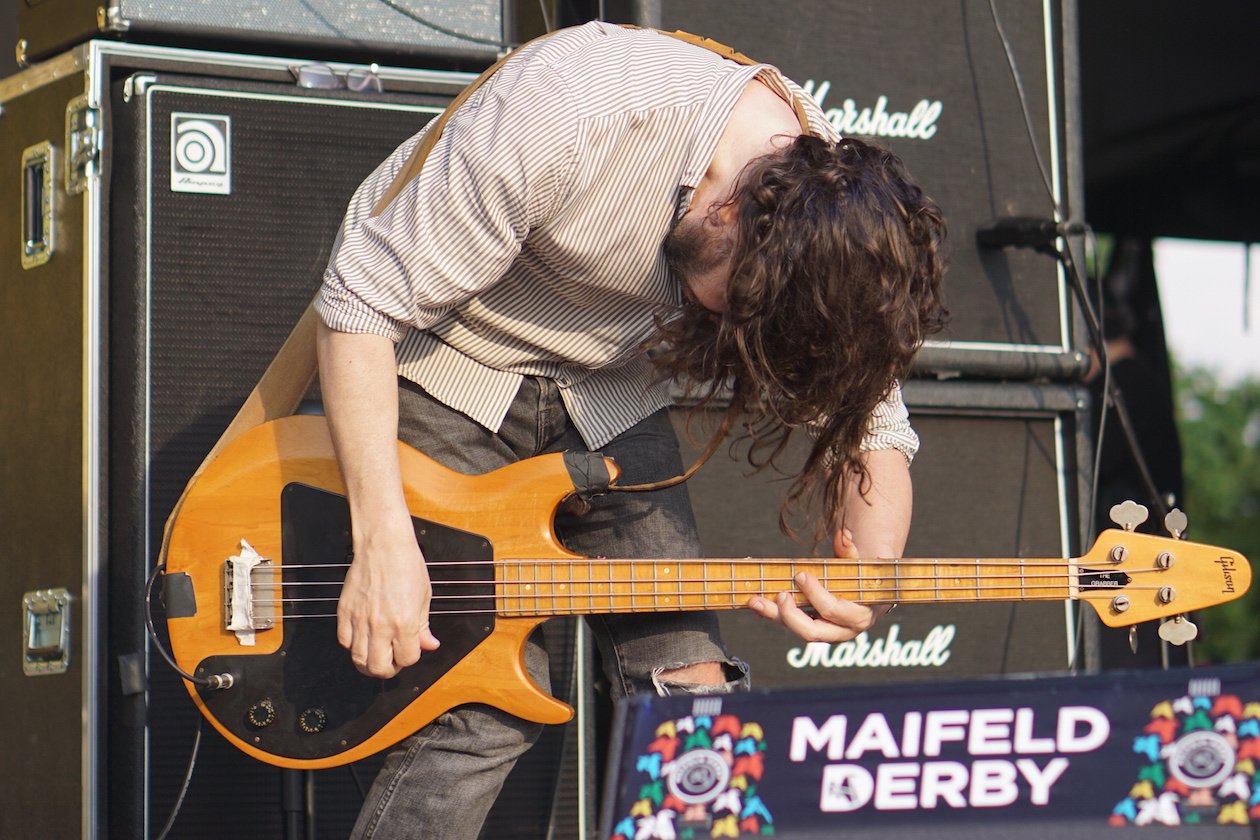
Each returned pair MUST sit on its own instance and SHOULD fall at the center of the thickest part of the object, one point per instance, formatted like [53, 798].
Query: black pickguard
[311, 671]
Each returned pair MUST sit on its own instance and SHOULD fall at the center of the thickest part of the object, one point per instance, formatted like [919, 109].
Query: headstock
[1130, 578]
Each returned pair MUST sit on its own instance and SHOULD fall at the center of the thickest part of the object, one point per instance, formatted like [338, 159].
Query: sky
[1204, 300]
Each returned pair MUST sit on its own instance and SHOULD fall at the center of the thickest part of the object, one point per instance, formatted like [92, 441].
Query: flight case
[166, 217]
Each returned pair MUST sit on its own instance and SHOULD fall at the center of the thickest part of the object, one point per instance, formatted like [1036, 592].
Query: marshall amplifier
[932, 81]
[996, 477]
[469, 32]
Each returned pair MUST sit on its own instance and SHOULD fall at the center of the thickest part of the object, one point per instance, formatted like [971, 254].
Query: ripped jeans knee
[735, 673]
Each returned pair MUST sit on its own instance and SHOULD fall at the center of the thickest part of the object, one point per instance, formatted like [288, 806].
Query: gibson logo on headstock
[1228, 567]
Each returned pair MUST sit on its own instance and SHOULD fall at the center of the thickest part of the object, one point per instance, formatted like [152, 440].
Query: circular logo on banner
[699, 776]
[1201, 759]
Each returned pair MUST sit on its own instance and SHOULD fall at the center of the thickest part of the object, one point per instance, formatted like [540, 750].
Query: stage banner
[1120, 754]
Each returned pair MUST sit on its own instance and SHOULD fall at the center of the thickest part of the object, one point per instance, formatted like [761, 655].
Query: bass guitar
[258, 550]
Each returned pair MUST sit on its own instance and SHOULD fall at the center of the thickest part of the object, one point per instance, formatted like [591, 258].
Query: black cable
[1023, 105]
[183, 788]
[1077, 642]
[216, 681]
[489, 42]
[1104, 361]
[358, 783]
[1113, 397]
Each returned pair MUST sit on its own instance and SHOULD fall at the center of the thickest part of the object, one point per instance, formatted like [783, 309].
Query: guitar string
[673, 583]
[903, 594]
[744, 561]
[1041, 581]
[673, 592]
[708, 605]
[670, 585]
[563, 580]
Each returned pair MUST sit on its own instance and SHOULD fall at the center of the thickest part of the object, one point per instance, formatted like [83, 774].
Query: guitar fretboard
[582, 586]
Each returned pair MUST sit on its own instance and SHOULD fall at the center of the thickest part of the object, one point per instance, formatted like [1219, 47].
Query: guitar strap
[291, 372]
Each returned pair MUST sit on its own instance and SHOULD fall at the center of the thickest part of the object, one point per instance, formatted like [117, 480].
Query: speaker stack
[978, 100]
[177, 208]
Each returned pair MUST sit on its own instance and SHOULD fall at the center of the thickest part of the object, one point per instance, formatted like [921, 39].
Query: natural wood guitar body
[498, 571]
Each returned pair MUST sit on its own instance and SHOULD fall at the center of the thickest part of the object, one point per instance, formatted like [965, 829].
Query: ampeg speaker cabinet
[468, 31]
[167, 215]
[996, 477]
[939, 84]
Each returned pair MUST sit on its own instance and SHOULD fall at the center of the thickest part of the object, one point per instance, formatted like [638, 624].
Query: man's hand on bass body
[383, 614]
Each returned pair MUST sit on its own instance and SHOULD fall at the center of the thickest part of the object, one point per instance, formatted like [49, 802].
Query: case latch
[46, 632]
[83, 144]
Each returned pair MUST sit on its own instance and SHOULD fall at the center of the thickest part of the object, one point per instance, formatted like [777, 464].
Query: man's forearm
[880, 521]
[360, 390]
[382, 614]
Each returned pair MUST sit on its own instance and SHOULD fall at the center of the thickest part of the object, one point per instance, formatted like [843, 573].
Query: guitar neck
[582, 586]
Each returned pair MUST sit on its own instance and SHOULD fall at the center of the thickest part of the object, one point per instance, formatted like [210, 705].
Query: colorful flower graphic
[1199, 768]
[701, 776]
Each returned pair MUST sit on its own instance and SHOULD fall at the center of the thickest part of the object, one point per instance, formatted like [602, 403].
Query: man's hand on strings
[383, 614]
[838, 620]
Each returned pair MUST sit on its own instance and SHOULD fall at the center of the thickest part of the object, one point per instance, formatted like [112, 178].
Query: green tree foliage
[1220, 438]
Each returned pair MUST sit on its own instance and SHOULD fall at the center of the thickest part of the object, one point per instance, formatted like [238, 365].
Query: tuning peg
[1128, 515]
[1133, 638]
[1175, 523]
[1178, 630]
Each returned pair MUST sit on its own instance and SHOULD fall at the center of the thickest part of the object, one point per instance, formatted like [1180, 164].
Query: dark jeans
[442, 781]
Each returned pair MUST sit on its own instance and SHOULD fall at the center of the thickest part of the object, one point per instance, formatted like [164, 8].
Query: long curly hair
[835, 281]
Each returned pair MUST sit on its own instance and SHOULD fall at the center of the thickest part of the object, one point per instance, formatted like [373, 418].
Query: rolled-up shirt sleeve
[359, 310]
[889, 427]
[501, 167]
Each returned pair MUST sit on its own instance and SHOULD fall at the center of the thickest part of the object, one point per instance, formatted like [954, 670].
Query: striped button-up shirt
[530, 242]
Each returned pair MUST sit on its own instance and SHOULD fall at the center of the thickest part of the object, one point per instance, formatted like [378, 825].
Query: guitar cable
[203, 681]
[1112, 397]
[183, 788]
[216, 681]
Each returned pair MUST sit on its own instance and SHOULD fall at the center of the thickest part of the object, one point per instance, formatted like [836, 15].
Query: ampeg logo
[201, 153]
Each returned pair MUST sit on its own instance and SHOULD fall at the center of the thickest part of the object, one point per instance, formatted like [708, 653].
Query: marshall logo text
[919, 123]
[889, 651]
